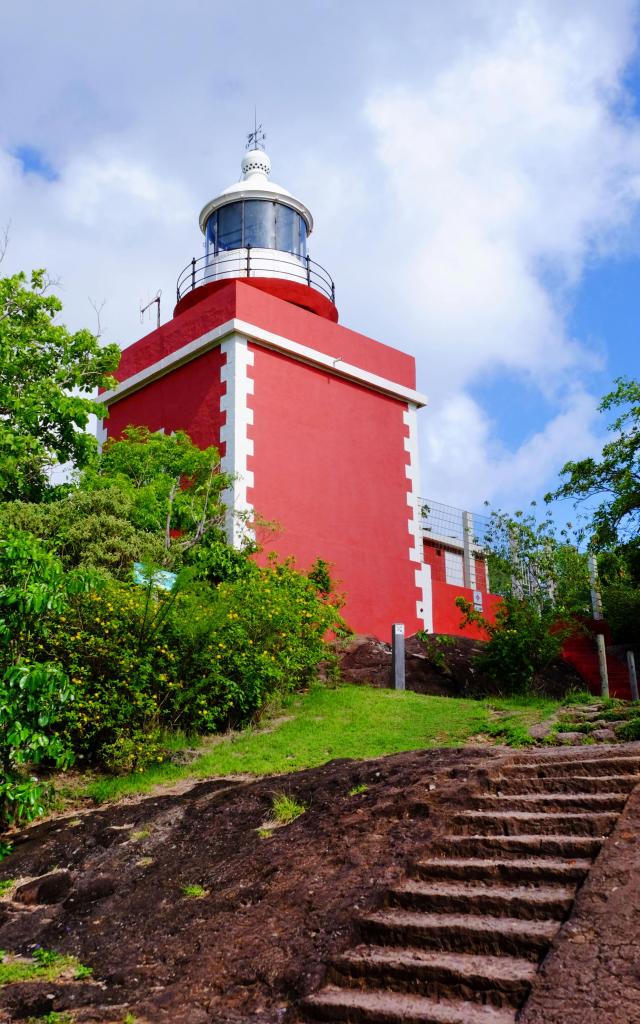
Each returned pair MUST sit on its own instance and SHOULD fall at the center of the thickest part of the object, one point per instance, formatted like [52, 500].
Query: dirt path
[275, 908]
[478, 850]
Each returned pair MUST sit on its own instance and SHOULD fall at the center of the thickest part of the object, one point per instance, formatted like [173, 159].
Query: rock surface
[591, 975]
[51, 888]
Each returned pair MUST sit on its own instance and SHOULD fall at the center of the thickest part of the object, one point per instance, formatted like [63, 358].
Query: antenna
[143, 309]
[256, 138]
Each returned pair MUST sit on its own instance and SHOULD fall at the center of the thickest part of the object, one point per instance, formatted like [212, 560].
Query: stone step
[513, 823]
[462, 933]
[495, 980]
[575, 784]
[377, 1006]
[542, 903]
[501, 846]
[549, 802]
[538, 870]
[619, 765]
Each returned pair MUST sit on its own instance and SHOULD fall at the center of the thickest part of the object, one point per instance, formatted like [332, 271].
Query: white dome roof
[255, 184]
[255, 161]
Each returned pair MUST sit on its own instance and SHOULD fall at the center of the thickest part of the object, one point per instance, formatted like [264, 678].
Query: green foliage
[173, 487]
[148, 497]
[436, 647]
[619, 575]
[577, 697]
[6, 886]
[630, 731]
[615, 477]
[510, 733]
[356, 790]
[45, 965]
[137, 837]
[285, 809]
[320, 576]
[196, 659]
[613, 482]
[33, 691]
[326, 723]
[523, 640]
[6, 849]
[194, 892]
[46, 957]
[46, 376]
[92, 528]
[527, 559]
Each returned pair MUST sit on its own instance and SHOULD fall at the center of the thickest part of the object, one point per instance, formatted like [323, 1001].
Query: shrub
[33, 690]
[523, 641]
[200, 659]
[630, 731]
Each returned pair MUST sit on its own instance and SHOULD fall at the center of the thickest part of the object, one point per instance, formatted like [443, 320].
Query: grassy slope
[350, 721]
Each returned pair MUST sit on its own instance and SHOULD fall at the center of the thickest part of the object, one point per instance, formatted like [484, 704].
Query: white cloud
[461, 434]
[507, 172]
[464, 163]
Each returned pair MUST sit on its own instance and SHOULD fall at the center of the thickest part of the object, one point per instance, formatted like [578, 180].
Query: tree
[47, 375]
[530, 559]
[615, 476]
[173, 486]
[147, 497]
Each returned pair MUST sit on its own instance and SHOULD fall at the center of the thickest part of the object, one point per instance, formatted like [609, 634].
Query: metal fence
[456, 540]
[448, 523]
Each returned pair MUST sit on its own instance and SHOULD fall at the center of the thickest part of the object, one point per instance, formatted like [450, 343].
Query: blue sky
[473, 169]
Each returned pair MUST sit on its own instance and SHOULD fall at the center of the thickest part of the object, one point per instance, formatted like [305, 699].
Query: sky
[473, 169]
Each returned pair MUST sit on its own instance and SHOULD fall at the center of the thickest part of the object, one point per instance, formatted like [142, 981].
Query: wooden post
[596, 600]
[468, 567]
[602, 658]
[397, 655]
[633, 678]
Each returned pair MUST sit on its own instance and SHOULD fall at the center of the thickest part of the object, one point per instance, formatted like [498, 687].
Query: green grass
[137, 837]
[6, 886]
[360, 722]
[194, 892]
[516, 716]
[356, 790]
[349, 721]
[45, 966]
[285, 809]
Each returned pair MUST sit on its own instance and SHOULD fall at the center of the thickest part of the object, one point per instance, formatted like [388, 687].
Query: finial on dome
[255, 161]
[256, 138]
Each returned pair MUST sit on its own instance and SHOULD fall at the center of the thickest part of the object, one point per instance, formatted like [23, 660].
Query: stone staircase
[460, 940]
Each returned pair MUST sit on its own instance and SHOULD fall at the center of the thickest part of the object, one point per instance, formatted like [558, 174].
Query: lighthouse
[316, 423]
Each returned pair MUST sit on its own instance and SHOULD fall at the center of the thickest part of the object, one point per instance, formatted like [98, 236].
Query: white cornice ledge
[267, 339]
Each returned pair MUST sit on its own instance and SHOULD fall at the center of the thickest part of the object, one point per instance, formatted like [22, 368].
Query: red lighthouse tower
[316, 422]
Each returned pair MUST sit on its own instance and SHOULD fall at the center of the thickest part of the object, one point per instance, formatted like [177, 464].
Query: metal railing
[448, 523]
[267, 262]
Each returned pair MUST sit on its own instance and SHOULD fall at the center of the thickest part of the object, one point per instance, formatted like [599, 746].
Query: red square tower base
[318, 425]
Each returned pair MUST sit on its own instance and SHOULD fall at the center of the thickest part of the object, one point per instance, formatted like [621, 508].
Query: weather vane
[256, 138]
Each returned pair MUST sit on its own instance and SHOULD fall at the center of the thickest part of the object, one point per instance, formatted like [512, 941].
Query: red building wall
[186, 399]
[329, 465]
[447, 617]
